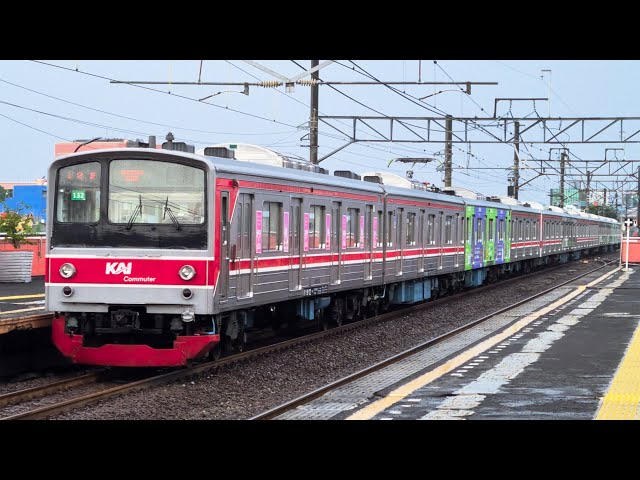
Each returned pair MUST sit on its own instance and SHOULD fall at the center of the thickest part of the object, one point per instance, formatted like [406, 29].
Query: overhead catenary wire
[412, 99]
[111, 127]
[372, 147]
[175, 127]
[34, 128]
[288, 134]
[167, 93]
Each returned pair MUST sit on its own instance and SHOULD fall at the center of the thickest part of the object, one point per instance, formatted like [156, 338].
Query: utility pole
[448, 150]
[313, 116]
[548, 89]
[605, 195]
[588, 185]
[516, 161]
[562, 163]
[638, 204]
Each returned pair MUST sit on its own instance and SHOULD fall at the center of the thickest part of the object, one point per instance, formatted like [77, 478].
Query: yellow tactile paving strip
[407, 389]
[21, 297]
[372, 409]
[622, 399]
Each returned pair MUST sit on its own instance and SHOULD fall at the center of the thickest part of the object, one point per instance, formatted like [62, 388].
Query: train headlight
[67, 270]
[187, 272]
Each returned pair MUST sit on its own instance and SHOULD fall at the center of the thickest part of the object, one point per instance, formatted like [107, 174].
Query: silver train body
[221, 247]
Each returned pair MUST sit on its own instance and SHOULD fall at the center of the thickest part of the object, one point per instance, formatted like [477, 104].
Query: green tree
[3, 193]
[16, 225]
[603, 211]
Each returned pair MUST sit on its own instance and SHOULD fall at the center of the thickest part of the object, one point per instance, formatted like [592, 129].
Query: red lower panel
[184, 348]
[633, 251]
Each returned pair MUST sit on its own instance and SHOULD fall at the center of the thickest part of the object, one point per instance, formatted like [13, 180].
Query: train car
[157, 257]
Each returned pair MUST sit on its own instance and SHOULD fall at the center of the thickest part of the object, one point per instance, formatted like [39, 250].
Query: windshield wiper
[136, 211]
[171, 215]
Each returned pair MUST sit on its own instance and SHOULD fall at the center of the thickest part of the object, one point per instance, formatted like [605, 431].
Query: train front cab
[129, 256]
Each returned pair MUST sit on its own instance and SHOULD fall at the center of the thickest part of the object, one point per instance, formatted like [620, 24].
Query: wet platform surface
[21, 299]
[566, 355]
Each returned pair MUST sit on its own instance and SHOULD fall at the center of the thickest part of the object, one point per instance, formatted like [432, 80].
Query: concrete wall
[39, 250]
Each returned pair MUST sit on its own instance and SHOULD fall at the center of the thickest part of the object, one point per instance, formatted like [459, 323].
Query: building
[572, 196]
[32, 194]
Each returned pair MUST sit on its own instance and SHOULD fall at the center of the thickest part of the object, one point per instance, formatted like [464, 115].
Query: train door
[459, 229]
[399, 229]
[532, 235]
[368, 242]
[223, 280]
[432, 258]
[421, 242]
[547, 237]
[489, 250]
[295, 237]
[242, 250]
[336, 241]
[390, 259]
[478, 240]
[440, 237]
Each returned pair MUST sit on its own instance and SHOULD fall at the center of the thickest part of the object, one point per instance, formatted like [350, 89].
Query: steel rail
[51, 388]
[306, 398]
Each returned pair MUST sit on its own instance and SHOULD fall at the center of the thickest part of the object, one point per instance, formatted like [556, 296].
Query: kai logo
[115, 268]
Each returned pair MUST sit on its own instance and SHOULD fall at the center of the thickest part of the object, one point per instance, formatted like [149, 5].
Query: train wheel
[227, 344]
[372, 309]
[240, 342]
[322, 321]
[216, 352]
[337, 312]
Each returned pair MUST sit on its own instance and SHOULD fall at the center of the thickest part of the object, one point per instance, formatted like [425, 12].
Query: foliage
[603, 210]
[16, 225]
[3, 193]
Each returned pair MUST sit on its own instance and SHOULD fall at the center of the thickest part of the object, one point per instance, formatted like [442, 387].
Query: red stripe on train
[128, 271]
[225, 182]
[266, 262]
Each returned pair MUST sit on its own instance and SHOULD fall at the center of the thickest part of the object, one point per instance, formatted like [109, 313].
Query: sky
[49, 101]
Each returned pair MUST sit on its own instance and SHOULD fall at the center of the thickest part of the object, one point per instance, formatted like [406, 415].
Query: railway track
[308, 397]
[81, 400]
[49, 389]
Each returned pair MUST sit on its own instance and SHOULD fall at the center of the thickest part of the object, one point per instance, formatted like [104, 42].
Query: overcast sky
[87, 106]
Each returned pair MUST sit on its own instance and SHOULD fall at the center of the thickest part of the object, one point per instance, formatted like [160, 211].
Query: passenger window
[379, 225]
[316, 226]
[431, 222]
[389, 238]
[272, 226]
[353, 226]
[411, 226]
[448, 239]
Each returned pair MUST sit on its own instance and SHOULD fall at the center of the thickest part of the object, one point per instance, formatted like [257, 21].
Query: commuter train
[158, 257]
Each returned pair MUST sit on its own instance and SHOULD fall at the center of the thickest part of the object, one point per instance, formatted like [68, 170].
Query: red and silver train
[157, 257]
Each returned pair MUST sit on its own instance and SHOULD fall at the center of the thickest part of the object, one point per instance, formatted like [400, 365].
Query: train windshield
[79, 193]
[152, 192]
[131, 203]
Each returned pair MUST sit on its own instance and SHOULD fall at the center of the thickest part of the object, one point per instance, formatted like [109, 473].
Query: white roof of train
[268, 159]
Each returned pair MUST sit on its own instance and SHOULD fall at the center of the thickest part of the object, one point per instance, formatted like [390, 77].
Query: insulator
[270, 84]
[308, 82]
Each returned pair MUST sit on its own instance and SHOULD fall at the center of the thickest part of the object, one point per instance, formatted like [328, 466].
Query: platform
[20, 300]
[571, 354]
